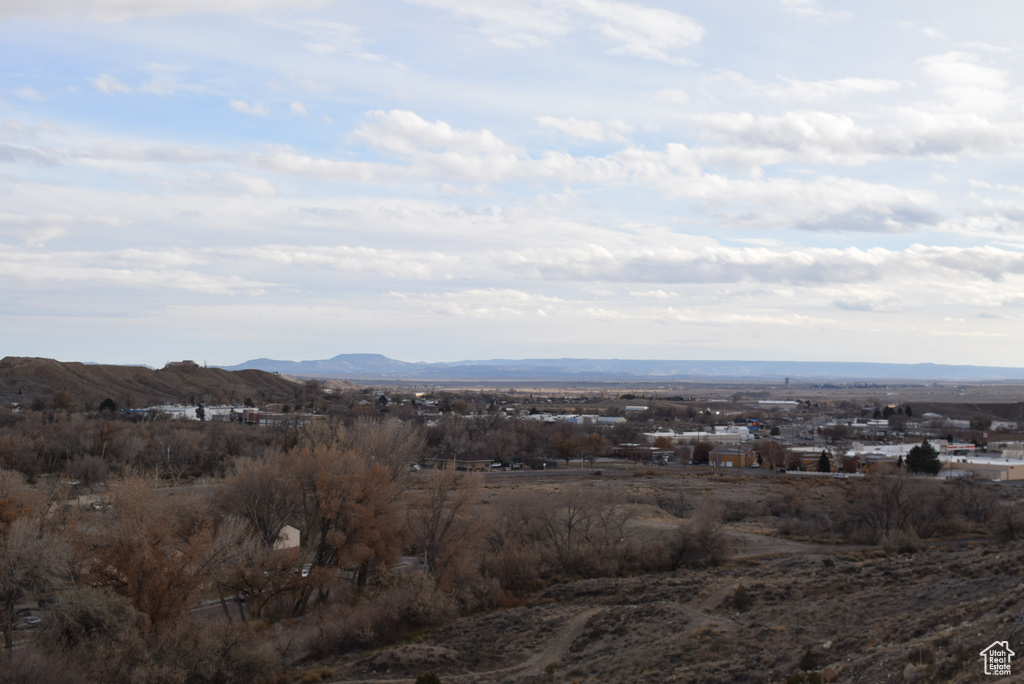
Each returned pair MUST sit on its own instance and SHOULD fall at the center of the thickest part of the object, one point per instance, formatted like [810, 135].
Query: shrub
[899, 541]
[675, 503]
[27, 666]
[428, 678]
[1008, 524]
[740, 600]
[809, 661]
[736, 511]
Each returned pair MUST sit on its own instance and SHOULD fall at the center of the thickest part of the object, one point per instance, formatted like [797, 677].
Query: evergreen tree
[924, 459]
[824, 465]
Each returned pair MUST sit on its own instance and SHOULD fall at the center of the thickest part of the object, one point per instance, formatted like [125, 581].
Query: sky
[442, 180]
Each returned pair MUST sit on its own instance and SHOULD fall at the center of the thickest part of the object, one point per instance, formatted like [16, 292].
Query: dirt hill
[26, 379]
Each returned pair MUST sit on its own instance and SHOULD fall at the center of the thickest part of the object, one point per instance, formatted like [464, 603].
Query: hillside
[27, 379]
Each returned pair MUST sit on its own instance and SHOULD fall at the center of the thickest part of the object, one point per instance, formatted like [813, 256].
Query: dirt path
[539, 662]
[533, 665]
[749, 544]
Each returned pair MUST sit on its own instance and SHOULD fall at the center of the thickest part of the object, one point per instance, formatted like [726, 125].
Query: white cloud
[811, 9]
[391, 263]
[966, 83]
[673, 95]
[823, 137]
[816, 91]
[30, 94]
[325, 37]
[109, 84]
[121, 10]
[298, 108]
[163, 80]
[254, 109]
[927, 31]
[406, 132]
[812, 135]
[513, 23]
[77, 269]
[296, 164]
[641, 31]
[31, 155]
[252, 184]
[633, 29]
[595, 131]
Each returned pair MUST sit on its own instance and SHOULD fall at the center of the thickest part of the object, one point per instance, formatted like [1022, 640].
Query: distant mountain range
[379, 367]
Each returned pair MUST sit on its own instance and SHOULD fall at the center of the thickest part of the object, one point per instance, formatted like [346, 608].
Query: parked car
[30, 622]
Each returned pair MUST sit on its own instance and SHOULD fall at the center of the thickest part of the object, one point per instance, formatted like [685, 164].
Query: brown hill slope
[26, 379]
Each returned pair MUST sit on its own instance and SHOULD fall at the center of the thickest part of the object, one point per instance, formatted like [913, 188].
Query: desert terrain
[865, 613]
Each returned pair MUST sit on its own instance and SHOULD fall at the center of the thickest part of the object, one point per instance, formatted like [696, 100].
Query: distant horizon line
[498, 359]
[616, 358]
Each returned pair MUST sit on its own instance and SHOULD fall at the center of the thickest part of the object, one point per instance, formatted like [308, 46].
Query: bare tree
[500, 441]
[264, 494]
[565, 520]
[442, 520]
[594, 446]
[836, 433]
[890, 501]
[700, 539]
[567, 443]
[773, 453]
[30, 561]
[449, 437]
[515, 549]
[388, 442]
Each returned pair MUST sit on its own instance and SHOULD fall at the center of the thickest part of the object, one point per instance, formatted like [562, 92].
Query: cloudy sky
[439, 180]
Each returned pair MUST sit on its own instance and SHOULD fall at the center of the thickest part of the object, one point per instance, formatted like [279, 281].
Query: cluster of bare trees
[383, 551]
[93, 448]
[894, 507]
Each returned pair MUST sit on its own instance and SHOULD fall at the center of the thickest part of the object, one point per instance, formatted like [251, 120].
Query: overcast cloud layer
[439, 180]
